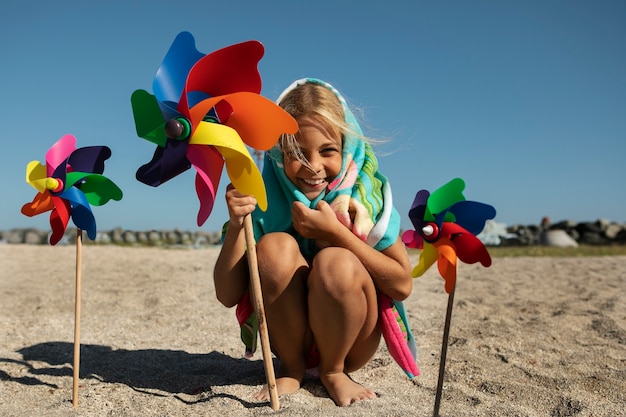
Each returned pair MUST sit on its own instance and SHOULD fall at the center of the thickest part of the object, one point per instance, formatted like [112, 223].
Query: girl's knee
[279, 257]
[336, 270]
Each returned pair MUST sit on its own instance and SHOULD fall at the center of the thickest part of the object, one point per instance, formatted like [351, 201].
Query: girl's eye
[329, 150]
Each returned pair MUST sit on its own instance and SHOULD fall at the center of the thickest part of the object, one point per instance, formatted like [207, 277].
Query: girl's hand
[319, 224]
[239, 205]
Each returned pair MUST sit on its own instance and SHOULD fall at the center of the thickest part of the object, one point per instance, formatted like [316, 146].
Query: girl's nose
[316, 163]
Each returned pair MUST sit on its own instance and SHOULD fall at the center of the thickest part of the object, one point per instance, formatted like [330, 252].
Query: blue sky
[525, 100]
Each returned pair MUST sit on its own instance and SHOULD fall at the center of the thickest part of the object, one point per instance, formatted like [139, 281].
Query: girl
[327, 244]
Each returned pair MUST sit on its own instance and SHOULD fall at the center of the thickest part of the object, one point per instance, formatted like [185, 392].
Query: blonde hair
[316, 102]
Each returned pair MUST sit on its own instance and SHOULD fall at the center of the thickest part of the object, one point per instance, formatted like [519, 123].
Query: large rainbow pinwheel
[446, 226]
[204, 111]
[70, 181]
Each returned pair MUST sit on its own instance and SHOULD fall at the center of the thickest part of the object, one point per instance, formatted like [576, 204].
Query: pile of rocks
[564, 233]
[118, 236]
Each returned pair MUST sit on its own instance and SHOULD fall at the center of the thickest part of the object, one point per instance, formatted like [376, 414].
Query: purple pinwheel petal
[166, 163]
[418, 209]
[89, 159]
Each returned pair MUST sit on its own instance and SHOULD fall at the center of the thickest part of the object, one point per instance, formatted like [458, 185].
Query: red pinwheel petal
[59, 218]
[471, 250]
[208, 163]
[227, 70]
[40, 204]
[468, 247]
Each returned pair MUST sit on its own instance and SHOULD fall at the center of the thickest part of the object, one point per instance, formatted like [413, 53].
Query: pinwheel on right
[446, 226]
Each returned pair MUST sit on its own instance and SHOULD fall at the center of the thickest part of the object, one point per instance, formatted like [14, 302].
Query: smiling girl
[328, 247]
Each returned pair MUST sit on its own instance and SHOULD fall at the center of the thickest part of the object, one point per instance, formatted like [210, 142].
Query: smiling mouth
[314, 182]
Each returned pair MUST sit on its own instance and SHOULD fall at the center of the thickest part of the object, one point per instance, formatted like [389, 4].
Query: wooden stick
[444, 351]
[79, 261]
[257, 299]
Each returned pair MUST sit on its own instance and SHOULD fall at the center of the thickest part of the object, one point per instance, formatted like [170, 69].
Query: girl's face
[322, 148]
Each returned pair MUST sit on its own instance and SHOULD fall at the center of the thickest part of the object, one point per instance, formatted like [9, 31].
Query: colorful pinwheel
[446, 226]
[204, 111]
[70, 181]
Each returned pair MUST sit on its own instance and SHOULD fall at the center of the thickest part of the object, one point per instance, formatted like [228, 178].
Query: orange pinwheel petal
[40, 204]
[259, 121]
[447, 263]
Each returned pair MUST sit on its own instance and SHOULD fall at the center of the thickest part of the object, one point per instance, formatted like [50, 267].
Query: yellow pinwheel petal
[242, 171]
[428, 256]
[36, 176]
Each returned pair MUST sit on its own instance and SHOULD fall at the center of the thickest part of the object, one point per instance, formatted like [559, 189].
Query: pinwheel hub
[54, 184]
[430, 232]
[178, 128]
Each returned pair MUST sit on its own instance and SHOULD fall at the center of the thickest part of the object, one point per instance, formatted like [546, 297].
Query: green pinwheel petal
[148, 117]
[445, 196]
[97, 188]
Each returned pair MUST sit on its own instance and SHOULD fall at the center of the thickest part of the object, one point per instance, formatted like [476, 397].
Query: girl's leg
[343, 312]
[283, 273]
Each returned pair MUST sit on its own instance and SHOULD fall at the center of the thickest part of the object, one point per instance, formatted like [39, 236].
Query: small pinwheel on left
[70, 181]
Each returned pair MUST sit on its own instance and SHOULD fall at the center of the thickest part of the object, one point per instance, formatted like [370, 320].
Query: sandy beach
[529, 337]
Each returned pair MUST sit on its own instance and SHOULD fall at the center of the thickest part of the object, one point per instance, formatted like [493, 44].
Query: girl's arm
[230, 274]
[390, 269]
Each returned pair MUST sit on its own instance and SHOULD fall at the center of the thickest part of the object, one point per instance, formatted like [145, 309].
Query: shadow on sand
[151, 371]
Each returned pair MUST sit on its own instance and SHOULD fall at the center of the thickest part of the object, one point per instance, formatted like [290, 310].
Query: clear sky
[524, 100]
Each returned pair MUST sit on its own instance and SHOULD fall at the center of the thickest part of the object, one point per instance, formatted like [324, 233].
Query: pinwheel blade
[209, 165]
[446, 263]
[417, 213]
[81, 213]
[59, 218]
[89, 159]
[428, 256]
[242, 171]
[36, 176]
[167, 162]
[412, 239]
[468, 247]
[445, 196]
[149, 121]
[98, 189]
[259, 121]
[472, 215]
[58, 153]
[225, 71]
[40, 204]
[169, 81]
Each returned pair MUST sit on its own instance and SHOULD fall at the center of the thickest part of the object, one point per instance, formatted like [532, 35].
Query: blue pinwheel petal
[82, 216]
[171, 76]
[472, 215]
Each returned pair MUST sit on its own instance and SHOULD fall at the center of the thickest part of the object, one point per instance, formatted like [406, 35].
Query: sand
[529, 337]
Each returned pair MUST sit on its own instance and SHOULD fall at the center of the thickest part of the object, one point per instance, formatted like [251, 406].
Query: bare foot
[284, 385]
[343, 390]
